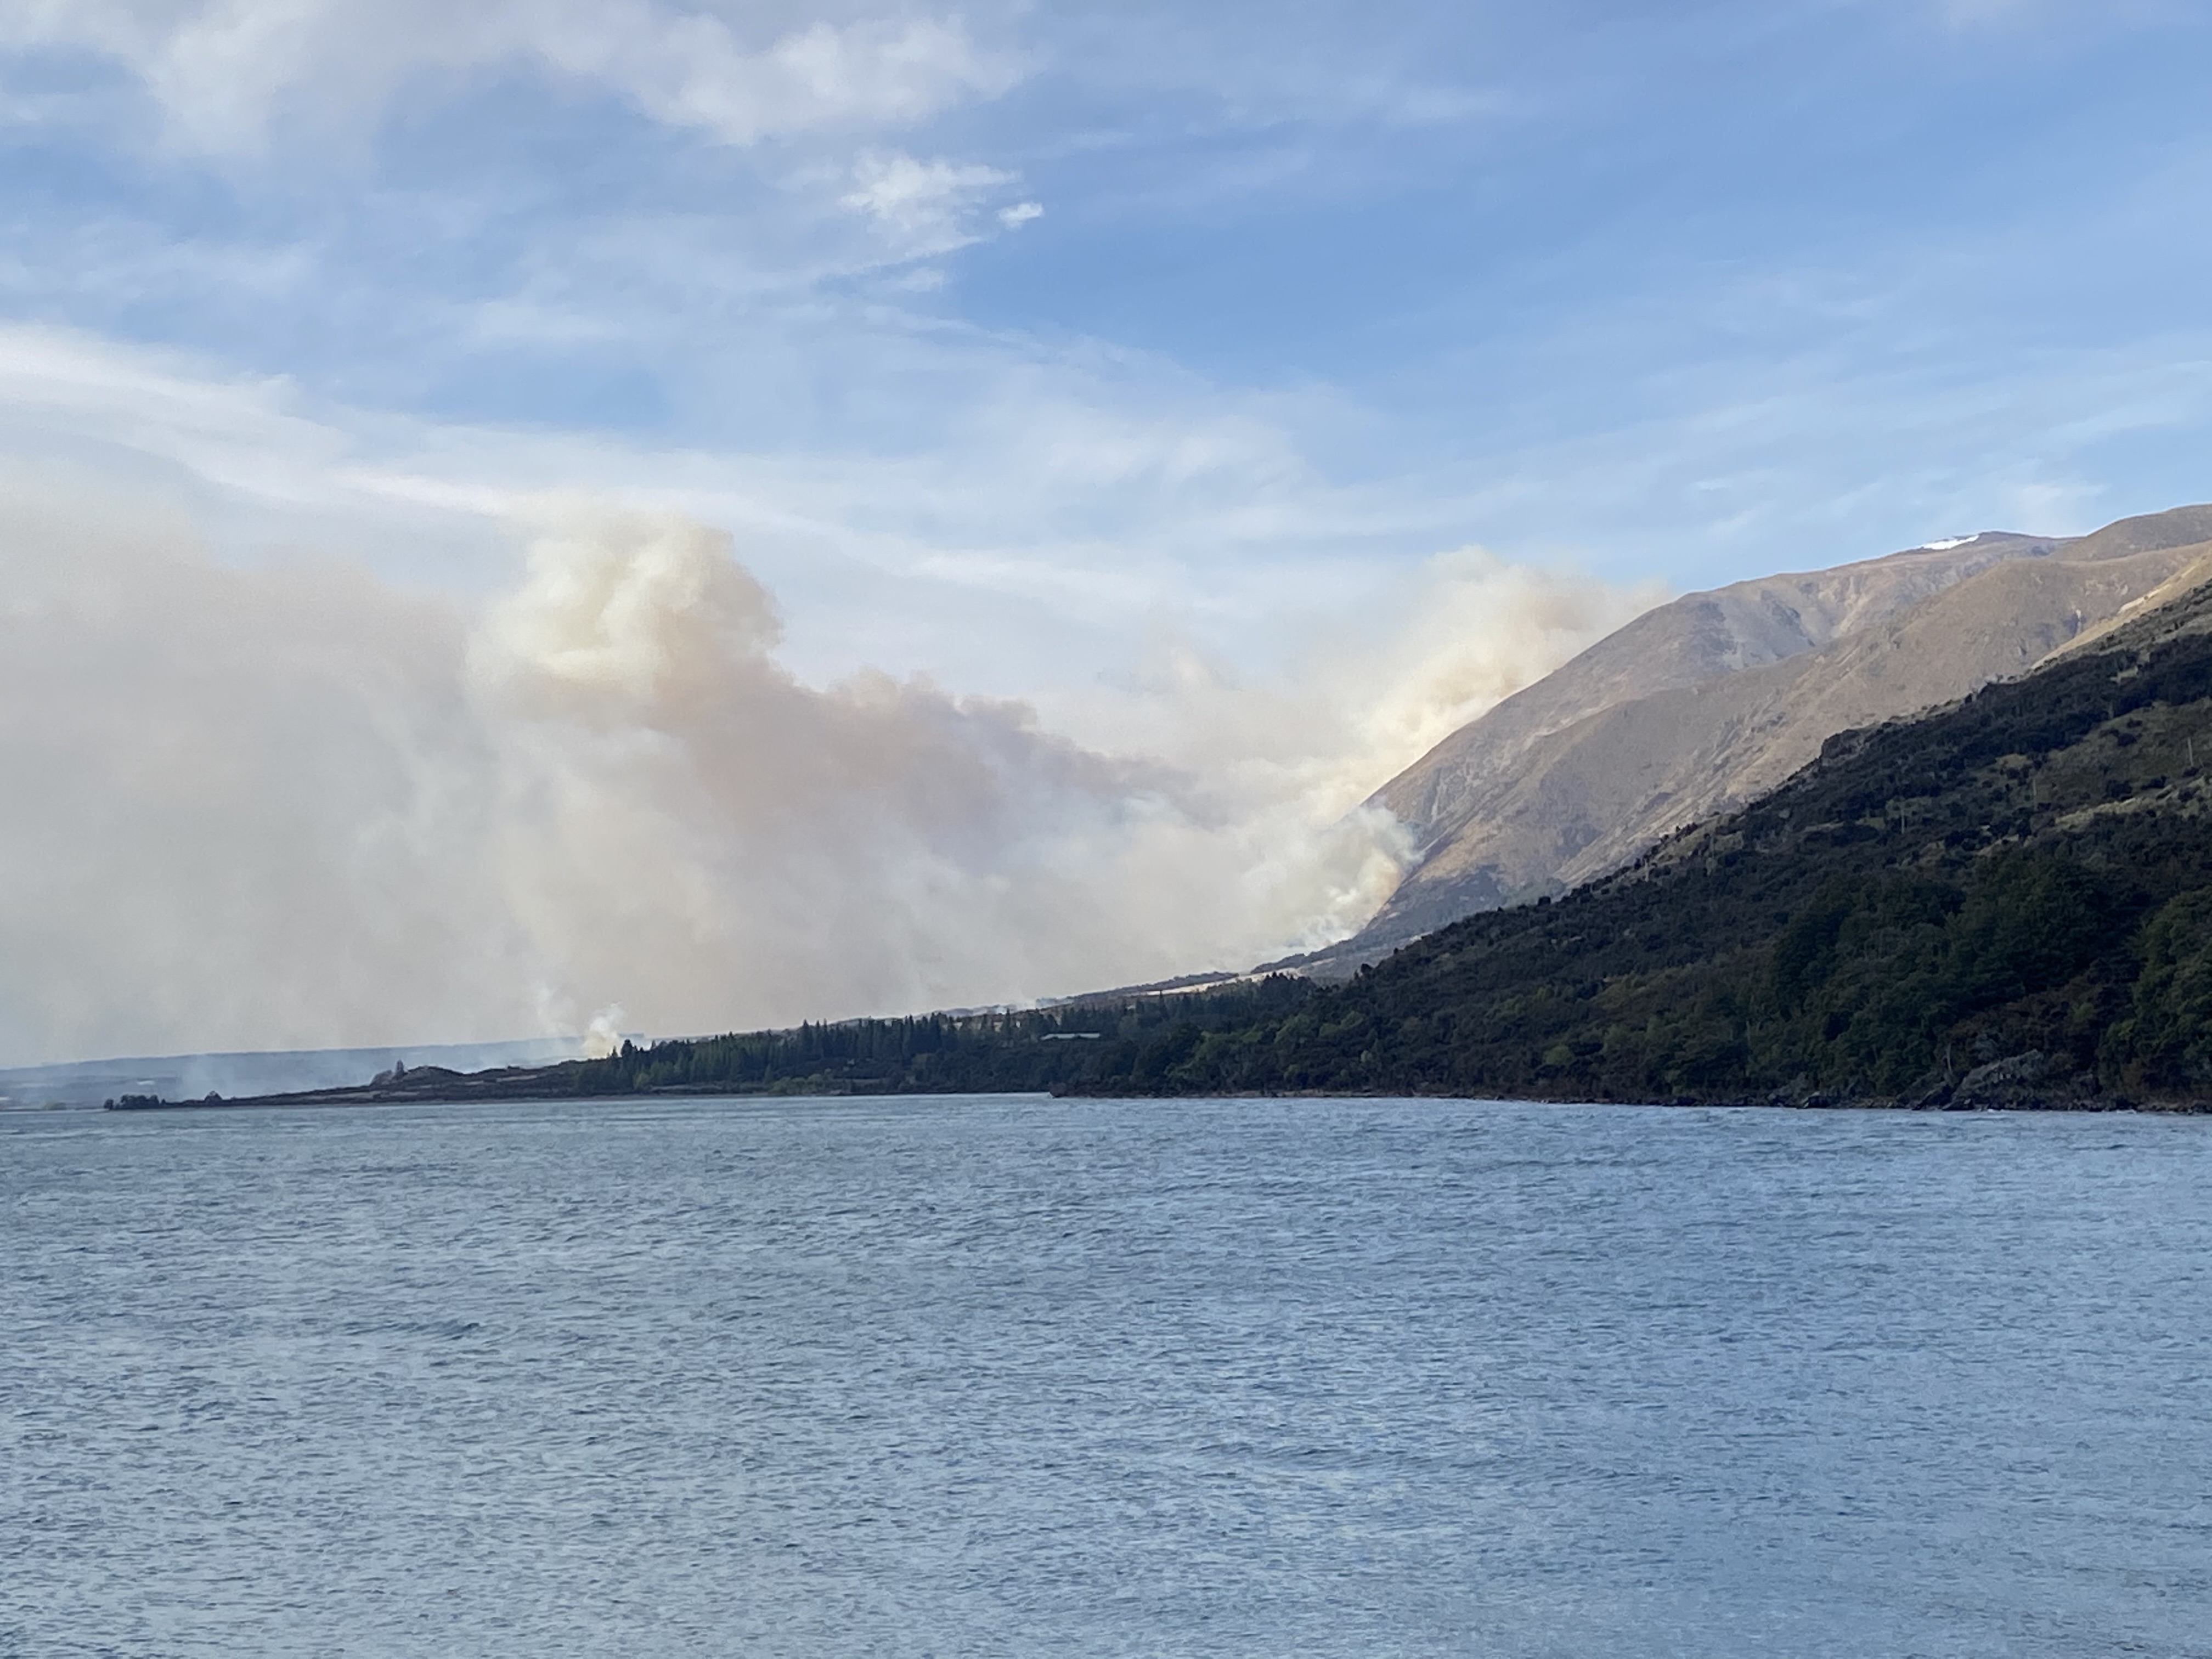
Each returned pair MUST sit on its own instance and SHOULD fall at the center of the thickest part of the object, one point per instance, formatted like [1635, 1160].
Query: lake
[1022, 1377]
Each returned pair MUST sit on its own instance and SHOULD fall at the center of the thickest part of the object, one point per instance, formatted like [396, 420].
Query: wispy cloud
[926, 208]
[1024, 544]
[223, 72]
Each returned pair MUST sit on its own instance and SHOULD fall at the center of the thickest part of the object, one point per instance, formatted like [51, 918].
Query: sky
[1230, 399]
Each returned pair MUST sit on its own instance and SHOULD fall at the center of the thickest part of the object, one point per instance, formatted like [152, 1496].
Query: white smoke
[1374, 692]
[296, 807]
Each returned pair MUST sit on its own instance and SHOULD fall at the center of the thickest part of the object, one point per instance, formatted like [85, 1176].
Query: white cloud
[923, 207]
[224, 71]
[1020, 545]
[688, 71]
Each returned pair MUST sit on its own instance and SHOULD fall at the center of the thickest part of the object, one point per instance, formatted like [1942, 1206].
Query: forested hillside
[2007, 900]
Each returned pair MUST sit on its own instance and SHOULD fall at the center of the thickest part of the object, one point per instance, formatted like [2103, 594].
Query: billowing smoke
[1373, 692]
[296, 807]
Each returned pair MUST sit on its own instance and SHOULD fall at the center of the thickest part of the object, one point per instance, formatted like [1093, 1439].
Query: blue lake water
[996, 1376]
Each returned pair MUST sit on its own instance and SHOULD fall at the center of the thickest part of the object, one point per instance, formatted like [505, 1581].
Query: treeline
[1071, 1046]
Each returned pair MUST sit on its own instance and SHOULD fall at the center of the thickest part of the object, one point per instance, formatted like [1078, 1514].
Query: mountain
[2005, 901]
[1705, 703]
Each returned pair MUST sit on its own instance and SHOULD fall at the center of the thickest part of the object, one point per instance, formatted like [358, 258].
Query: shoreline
[2099, 1105]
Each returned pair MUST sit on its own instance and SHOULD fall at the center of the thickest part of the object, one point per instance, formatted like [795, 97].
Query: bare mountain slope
[1704, 704]
[1694, 639]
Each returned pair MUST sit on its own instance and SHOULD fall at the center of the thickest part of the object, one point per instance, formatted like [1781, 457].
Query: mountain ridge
[1700, 705]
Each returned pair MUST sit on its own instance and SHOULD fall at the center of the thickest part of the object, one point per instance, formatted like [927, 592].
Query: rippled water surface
[967, 1377]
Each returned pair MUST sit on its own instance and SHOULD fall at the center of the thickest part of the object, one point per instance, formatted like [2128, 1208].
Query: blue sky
[1005, 338]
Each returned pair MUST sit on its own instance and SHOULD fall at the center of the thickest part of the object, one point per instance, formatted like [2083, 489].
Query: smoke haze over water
[297, 807]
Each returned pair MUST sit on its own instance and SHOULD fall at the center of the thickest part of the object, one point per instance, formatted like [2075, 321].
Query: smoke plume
[297, 807]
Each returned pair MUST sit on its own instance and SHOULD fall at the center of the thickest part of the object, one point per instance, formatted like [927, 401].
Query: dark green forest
[2005, 901]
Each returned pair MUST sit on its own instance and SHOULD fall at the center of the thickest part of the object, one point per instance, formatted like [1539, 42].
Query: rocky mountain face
[1707, 703]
